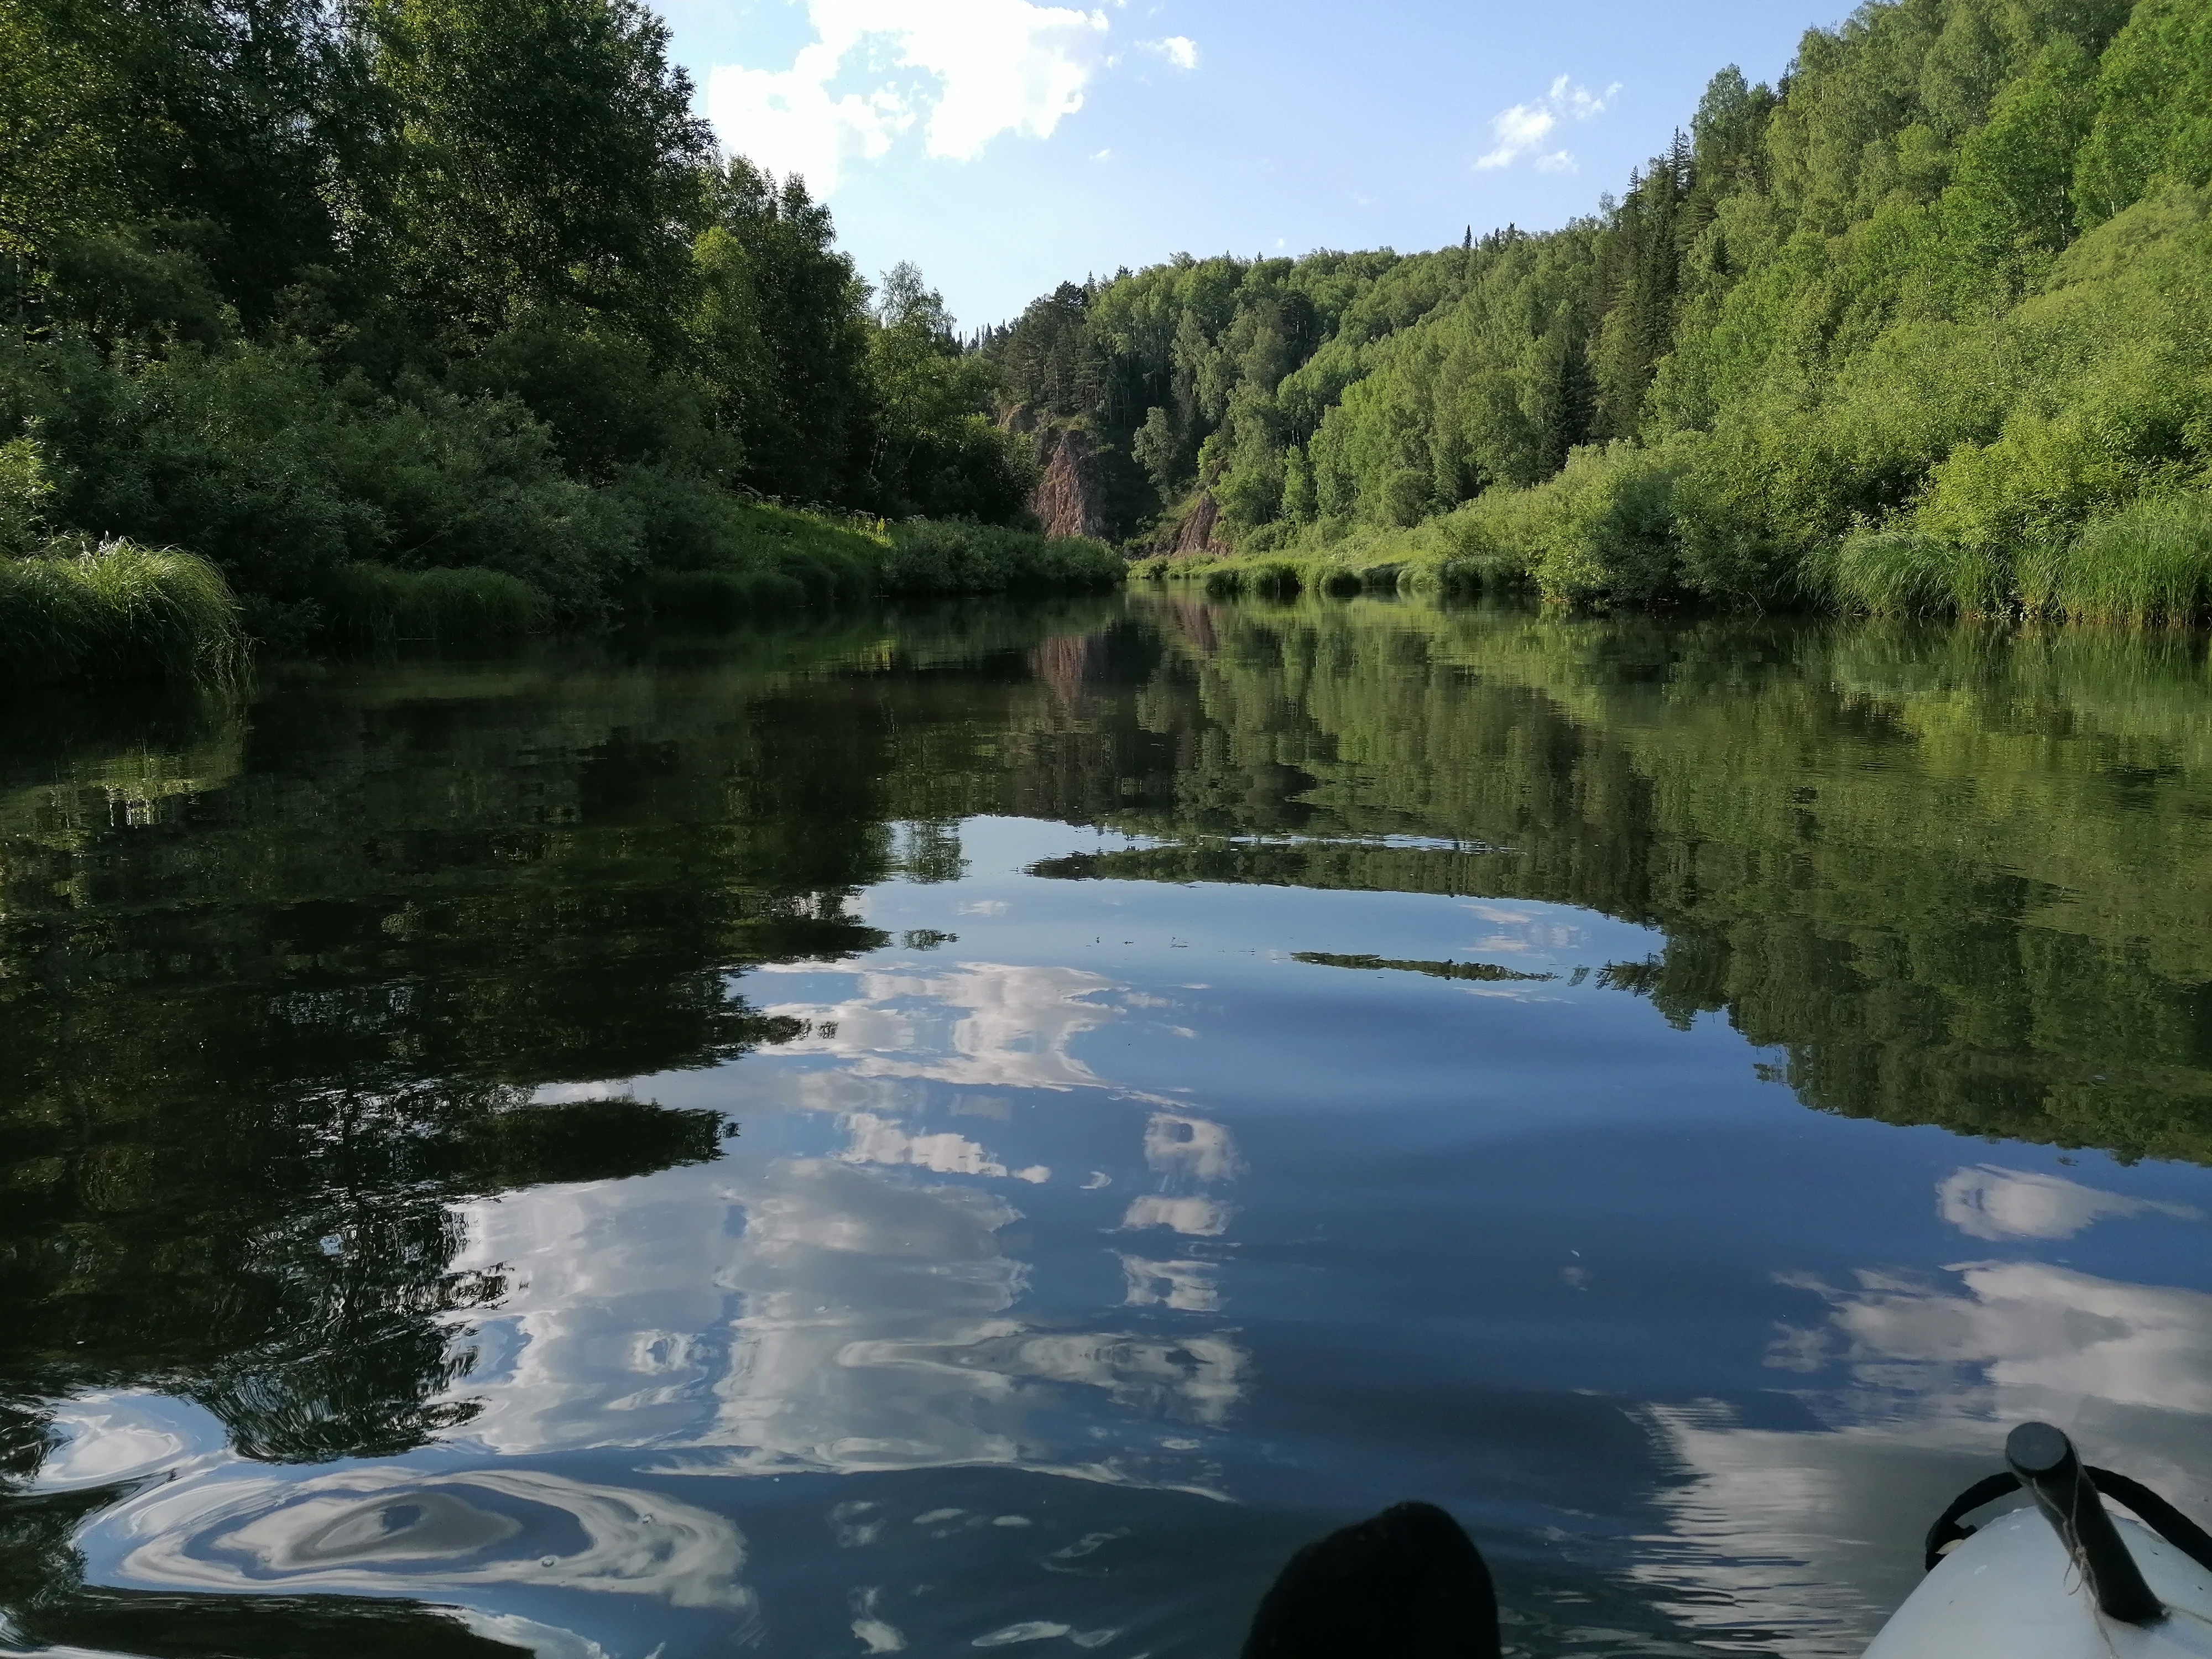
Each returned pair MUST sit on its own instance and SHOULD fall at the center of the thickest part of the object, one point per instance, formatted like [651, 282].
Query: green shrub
[955, 556]
[25, 490]
[1602, 530]
[379, 604]
[114, 611]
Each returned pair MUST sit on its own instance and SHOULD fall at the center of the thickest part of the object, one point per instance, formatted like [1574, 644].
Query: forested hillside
[1924, 328]
[338, 293]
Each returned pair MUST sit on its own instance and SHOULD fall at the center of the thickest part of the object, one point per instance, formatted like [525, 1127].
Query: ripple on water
[397, 1530]
[104, 1439]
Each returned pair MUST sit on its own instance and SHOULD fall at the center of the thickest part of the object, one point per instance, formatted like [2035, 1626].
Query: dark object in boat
[1409, 1583]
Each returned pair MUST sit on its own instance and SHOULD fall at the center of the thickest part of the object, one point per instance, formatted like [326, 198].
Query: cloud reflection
[860, 1319]
[1984, 1201]
[391, 1527]
[983, 1025]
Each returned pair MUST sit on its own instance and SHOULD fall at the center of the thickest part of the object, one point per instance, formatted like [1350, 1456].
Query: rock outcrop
[1195, 535]
[1070, 499]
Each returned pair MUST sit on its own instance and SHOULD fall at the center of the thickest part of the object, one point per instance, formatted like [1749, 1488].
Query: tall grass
[381, 605]
[1286, 575]
[1902, 573]
[952, 557]
[115, 610]
[2151, 563]
[774, 558]
[721, 598]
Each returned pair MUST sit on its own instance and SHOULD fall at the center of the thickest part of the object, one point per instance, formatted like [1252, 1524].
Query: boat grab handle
[2153, 1510]
[2042, 1460]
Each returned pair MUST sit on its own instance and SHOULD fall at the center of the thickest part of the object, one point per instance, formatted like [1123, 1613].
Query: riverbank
[2149, 565]
[92, 612]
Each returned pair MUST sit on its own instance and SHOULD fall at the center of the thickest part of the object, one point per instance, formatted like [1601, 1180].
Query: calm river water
[985, 1130]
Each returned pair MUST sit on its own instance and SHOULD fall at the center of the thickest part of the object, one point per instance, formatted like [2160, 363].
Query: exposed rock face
[1195, 535]
[1070, 499]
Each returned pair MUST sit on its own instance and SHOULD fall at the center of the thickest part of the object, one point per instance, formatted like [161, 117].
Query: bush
[955, 556]
[376, 604]
[114, 611]
[1603, 530]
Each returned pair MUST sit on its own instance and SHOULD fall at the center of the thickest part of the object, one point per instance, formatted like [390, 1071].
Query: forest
[363, 320]
[421, 317]
[1920, 329]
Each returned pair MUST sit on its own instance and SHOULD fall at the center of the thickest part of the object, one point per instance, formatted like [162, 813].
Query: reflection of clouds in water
[1988, 1202]
[876, 1335]
[1519, 931]
[1812, 1536]
[1189, 1146]
[1195, 1218]
[983, 1025]
[390, 1527]
[103, 1438]
[540, 1641]
[881, 1140]
[859, 1319]
[1186, 1287]
[860, 1316]
[612, 1328]
[2030, 1340]
[1816, 1532]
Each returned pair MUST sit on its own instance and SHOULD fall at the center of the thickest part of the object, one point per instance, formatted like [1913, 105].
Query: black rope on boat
[2154, 1511]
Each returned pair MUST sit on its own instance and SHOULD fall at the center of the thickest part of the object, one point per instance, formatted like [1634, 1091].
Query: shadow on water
[288, 980]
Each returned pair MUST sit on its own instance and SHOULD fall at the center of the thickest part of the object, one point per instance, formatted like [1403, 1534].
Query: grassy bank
[2149, 565]
[116, 611]
[770, 559]
[111, 611]
[1599, 535]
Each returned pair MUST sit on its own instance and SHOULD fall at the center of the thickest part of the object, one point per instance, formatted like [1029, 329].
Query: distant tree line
[1919, 328]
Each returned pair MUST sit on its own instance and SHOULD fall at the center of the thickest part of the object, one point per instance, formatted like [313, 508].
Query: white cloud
[1523, 128]
[980, 68]
[1988, 1202]
[1180, 50]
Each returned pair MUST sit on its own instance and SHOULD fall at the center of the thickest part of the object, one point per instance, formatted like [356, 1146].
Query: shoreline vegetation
[332, 323]
[1919, 331]
[347, 322]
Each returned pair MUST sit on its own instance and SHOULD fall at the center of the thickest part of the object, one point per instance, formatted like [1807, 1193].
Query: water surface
[984, 1129]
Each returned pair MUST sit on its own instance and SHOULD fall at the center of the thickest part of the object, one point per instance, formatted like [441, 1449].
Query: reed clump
[956, 556]
[1904, 573]
[2147, 565]
[379, 604]
[112, 609]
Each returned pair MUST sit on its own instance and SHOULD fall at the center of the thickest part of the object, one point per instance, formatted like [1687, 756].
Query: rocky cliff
[1194, 532]
[1070, 499]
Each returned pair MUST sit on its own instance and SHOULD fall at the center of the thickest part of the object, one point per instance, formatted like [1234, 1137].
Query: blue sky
[1004, 145]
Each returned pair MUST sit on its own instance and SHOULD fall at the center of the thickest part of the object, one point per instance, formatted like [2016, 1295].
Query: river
[982, 1128]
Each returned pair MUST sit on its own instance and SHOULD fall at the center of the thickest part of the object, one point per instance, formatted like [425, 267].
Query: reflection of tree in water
[276, 996]
[275, 993]
[1959, 878]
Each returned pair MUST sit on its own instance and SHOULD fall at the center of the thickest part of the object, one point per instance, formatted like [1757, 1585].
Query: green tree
[548, 157]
